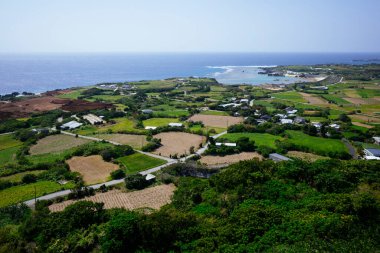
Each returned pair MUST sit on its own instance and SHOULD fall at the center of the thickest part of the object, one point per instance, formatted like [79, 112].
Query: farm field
[151, 198]
[158, 122]
[305, 156]
[314, 99]
[211, 112]
[260, 139]
[92, 168]
[20, 193]
[216, 120]
[8, 155]
[133, 140]
[229, 159]
[56, 143]
[122, 125]
[18, 177]
[317, 145]
[139, 162]
[290, 95]
[7, 141]
[177, 143]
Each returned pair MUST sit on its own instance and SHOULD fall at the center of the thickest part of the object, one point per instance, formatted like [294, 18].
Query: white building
[175, 124]
[93, 119]
[377, 140]
[150, 127]
[286, 121]
[71, 125]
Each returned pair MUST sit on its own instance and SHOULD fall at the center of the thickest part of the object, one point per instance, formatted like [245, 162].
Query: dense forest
[252, 206]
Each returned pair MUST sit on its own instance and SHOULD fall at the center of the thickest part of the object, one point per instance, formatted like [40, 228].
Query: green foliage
[136, 181]
[117, 174]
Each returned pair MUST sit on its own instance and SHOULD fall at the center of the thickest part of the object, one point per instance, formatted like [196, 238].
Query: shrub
[136, 182]
[117, 174]
[29, 178]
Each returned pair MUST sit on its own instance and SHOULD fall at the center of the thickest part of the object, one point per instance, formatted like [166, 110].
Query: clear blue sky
[189, 26]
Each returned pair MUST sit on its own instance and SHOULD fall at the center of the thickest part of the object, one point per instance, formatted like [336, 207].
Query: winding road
[170, 161]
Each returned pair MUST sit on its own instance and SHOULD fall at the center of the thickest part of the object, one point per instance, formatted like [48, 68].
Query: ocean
[42, 72]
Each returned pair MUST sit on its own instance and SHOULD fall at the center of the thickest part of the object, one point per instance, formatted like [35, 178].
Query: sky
[35, 26]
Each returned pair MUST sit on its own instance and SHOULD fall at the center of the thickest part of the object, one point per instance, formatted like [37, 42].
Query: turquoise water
[38, 73]
[248, 75]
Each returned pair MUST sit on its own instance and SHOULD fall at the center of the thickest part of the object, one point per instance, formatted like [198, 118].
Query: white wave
[241, 66]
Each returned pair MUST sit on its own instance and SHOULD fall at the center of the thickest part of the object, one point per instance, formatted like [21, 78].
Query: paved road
[351, 149]
[170, 161]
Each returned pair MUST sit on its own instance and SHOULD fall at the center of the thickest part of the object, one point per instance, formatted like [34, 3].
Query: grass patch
[220, 113]
[317, 145]
[20, 193]
[335, 99]
[18, 177]
[8, 155]
[259, 138]
[289, 95]
[366, 93]
[7, 141]
[157, 122]
[138, 162]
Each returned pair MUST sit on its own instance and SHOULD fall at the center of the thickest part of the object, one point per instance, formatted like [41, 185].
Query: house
[377, 140]
[372, 152]
[147, 111]
[93, 119]
[244, 100]
[335, 126]
[278, 158]
[265, 117]
[71, 125]
[150, 177]
[319, 87]
[150, 128]
[299, 120]
[282, 116]
[41, 130]
[260, 121]
[229, 105]
[371, 158]
[175, 124]
[286, 121]
[290, 110]
[317, 124]
[227, 144]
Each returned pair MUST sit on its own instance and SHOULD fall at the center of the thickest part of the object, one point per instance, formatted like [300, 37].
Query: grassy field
[8, 155]
[20, 193]
[367, 93]
[18, 177]
[56, 143]
[221, 113]
[290, 95]
[335, 99]
[138, 162]
[171, 113]
[317, 145]
[7, 141]
[157, 122]
[72, 95]
[259, 138]
[122, 124]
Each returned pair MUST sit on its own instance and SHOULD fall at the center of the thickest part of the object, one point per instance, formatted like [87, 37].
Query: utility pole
[35, 195]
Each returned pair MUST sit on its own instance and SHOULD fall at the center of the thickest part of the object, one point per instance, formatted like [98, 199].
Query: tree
[117, 174]
[29, 178]
[136, 181]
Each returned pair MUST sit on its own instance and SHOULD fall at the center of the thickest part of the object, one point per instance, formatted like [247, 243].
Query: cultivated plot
[56, 143]
[153, 197]
[92, 168]
[177, 143]
[229, 159]
[216, 120]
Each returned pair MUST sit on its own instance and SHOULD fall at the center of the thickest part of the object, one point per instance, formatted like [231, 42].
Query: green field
[72, 95]
[157, 122]
[7, 141]
[18, 177]
[259, 138]
[335, 99]
[8, 155]
[138, 162]
[122, 124]
[171, 113]
[290, 95]
[367, 93]
[220, 113]
[20, 193]
[317, 145]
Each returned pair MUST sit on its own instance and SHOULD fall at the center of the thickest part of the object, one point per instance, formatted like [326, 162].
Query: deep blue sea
[38, 73]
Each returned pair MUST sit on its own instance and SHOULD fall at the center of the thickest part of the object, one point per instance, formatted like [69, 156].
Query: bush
[117, 174]
[136, 182]
[29, 178]
[265, 150]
